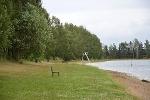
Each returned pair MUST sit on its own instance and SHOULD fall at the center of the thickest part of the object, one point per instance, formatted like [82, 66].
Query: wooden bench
[53, 71]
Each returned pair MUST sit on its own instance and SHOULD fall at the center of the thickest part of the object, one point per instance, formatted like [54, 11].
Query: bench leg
[54, 73]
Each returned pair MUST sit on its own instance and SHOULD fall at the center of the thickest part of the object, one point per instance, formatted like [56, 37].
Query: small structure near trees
[85, 54]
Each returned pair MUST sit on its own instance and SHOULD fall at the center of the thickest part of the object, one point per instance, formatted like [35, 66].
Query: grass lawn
[33, 81]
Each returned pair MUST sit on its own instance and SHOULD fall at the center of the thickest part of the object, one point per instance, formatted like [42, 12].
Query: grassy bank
[33, 81]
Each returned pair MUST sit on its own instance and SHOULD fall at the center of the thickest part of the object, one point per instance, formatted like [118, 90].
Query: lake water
[136, 68]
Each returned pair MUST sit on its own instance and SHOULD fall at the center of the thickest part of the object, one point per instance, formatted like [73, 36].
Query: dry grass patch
[33, 81]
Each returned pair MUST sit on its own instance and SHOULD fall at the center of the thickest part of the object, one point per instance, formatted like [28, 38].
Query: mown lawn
[31, 81]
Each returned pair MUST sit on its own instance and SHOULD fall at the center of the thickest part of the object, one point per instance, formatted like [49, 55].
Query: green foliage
[147, 48]
[78, 40]
[123, 49]
[133, 49]
[5, 27]
[27, 32]
[34, 32]
[24, 30]
[105, 52]
[113, 51]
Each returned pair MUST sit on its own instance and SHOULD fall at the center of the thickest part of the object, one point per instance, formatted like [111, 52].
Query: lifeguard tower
[85, 54]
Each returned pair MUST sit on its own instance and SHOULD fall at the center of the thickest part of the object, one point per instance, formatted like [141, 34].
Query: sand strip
[139, 88]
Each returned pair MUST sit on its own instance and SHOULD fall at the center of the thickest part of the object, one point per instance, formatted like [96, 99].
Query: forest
[132, 50]
[28, 32]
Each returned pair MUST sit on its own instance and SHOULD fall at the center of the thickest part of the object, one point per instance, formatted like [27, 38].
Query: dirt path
[134, 86]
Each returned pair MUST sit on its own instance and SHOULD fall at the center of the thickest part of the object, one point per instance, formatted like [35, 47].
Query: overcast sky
[113, 21]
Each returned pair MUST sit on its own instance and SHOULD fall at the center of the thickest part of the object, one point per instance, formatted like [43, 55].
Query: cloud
[113, 21]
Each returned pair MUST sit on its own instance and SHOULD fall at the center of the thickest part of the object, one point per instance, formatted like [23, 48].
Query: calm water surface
[136, 68]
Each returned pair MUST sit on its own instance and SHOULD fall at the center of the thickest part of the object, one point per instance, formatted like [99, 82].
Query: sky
[113, 21]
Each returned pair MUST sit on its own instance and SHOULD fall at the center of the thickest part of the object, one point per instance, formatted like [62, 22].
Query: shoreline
[134, 86]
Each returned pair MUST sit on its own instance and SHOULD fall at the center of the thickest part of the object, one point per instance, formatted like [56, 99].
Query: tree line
[28, 32]
[132, 50]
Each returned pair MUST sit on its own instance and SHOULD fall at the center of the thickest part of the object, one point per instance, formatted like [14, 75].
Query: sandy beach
[134, 86]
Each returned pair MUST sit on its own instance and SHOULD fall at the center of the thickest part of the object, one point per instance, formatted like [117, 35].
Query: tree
[6, 27]
[141, 50]
[96, 47]
[32, 33]
[105, 52]
[26, 33]
[131, 50]
[113, 51]
[136, 47]
[55, 27]
[123, 50]
[147, 48]
[72, 41]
